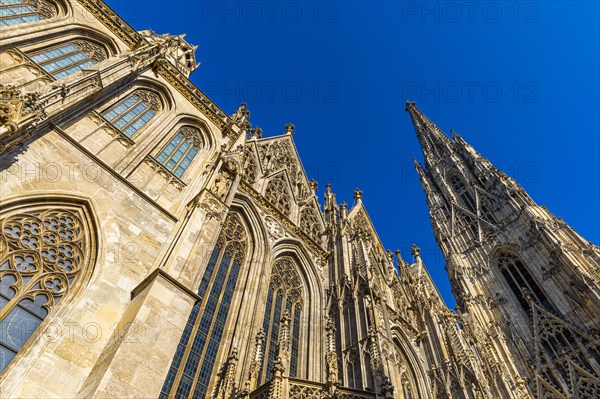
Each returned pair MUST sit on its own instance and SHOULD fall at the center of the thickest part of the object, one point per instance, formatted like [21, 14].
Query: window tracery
[461, 190]
[15, 12]
[285, 293]
[192, 366]
[69, 58]
[132, 113]
[181, 150]
[309, 222]
[42, 253]
[521, 282]
[278, 194]
[278, 155]
[250, 169]
[564, 354]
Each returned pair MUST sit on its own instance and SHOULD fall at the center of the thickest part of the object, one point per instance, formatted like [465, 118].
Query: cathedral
[154, 246]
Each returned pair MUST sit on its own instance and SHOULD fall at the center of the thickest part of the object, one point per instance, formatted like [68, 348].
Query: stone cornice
[287, 223]
[169, 72]
[192, 93]
[112, 21]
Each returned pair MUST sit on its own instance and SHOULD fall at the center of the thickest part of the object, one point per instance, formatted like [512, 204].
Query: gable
[266, 159]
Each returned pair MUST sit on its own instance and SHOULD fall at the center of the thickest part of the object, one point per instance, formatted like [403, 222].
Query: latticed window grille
[41, 255]
[285, 293]
[69, 58]
[133, 112]
[181, 150]
[278, 194]
[15, 12]
[193, 364]
[520, 281]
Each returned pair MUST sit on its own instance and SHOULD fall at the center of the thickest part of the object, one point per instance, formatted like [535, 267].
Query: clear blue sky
[518, 80]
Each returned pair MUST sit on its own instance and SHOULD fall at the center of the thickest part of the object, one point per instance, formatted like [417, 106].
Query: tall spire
[467, 196]
[434, 143]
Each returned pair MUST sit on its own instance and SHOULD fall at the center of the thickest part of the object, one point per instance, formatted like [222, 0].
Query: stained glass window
[181, 150]
[68, 58]
[202, 335]
[132, 113]
[285, 293]
[41, 254]
[15, 12]
[520, 280]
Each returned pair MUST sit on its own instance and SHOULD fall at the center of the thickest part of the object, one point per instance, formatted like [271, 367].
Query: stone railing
[349, 393]
[300, 389]
[261, 392]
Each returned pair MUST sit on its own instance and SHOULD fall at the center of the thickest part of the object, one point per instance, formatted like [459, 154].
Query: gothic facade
[152, 245]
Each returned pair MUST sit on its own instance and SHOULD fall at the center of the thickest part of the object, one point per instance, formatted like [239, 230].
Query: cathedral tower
[527, 285]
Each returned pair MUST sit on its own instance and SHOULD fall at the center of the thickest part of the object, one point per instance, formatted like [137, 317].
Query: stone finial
[344, 210]
[290, 128]
[260, 337]
[415, 251]
[402, 266]
[314, 185]
[255, 133]
[398, 256]
[285, 319]
[331, 358]
[358, 194]
[241, 115]
[390, 255]
[256, 363]
[328, 188]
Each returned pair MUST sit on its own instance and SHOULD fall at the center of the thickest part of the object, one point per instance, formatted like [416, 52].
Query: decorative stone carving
[274, 228]
[309, 222]
[10, 109]
[255, 133]
[278, 194]
[213, 208]
[14, 107]
[222, 183]
[249, 166]
[241, 115]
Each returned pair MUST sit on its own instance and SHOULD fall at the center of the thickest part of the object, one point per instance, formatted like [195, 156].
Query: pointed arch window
[193, 364]
[461, 190]
[278, 194]
[520, 281]
[69, 58]
[181, 150]
[132, 113]
[285, 293]
[16, 12]
[42, 255]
